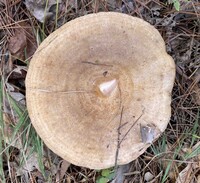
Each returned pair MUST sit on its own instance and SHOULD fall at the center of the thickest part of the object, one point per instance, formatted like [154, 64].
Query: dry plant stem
[143, 4]
[118, 138]
[131, 127]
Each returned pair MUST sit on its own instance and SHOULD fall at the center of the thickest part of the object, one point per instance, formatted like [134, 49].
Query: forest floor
[174, 157]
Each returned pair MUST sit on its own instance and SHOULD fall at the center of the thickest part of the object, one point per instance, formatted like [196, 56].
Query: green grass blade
[2, 176]
[194, 153]
[18, 109]
[195, 130]
[39, 151]
[21, 124]
[161, 147]
[165, 176]
[40, 156]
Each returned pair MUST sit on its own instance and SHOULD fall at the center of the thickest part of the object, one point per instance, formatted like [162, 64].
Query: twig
[118, 139]
[131, 127]
[123, 125]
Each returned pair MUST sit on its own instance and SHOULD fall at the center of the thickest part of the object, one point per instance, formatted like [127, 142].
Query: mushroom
[99, 88]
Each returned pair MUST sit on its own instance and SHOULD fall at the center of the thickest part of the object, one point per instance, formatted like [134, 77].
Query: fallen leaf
[39, 9]
[17, 43]
[23, 42]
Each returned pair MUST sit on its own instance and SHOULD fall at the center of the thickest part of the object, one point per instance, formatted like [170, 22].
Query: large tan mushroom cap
[89, 74]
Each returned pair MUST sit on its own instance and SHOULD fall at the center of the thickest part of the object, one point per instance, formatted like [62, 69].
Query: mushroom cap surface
[99, 88]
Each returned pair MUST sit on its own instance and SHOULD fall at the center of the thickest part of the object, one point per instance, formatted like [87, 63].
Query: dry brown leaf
[23, 42]
[31, 43]
[17, 43]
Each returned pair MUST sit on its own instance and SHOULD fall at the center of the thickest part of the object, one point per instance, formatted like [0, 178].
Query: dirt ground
[174, 157]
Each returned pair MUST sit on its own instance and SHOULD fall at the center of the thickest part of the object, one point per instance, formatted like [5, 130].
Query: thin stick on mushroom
[118, 138]
[134, 123]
